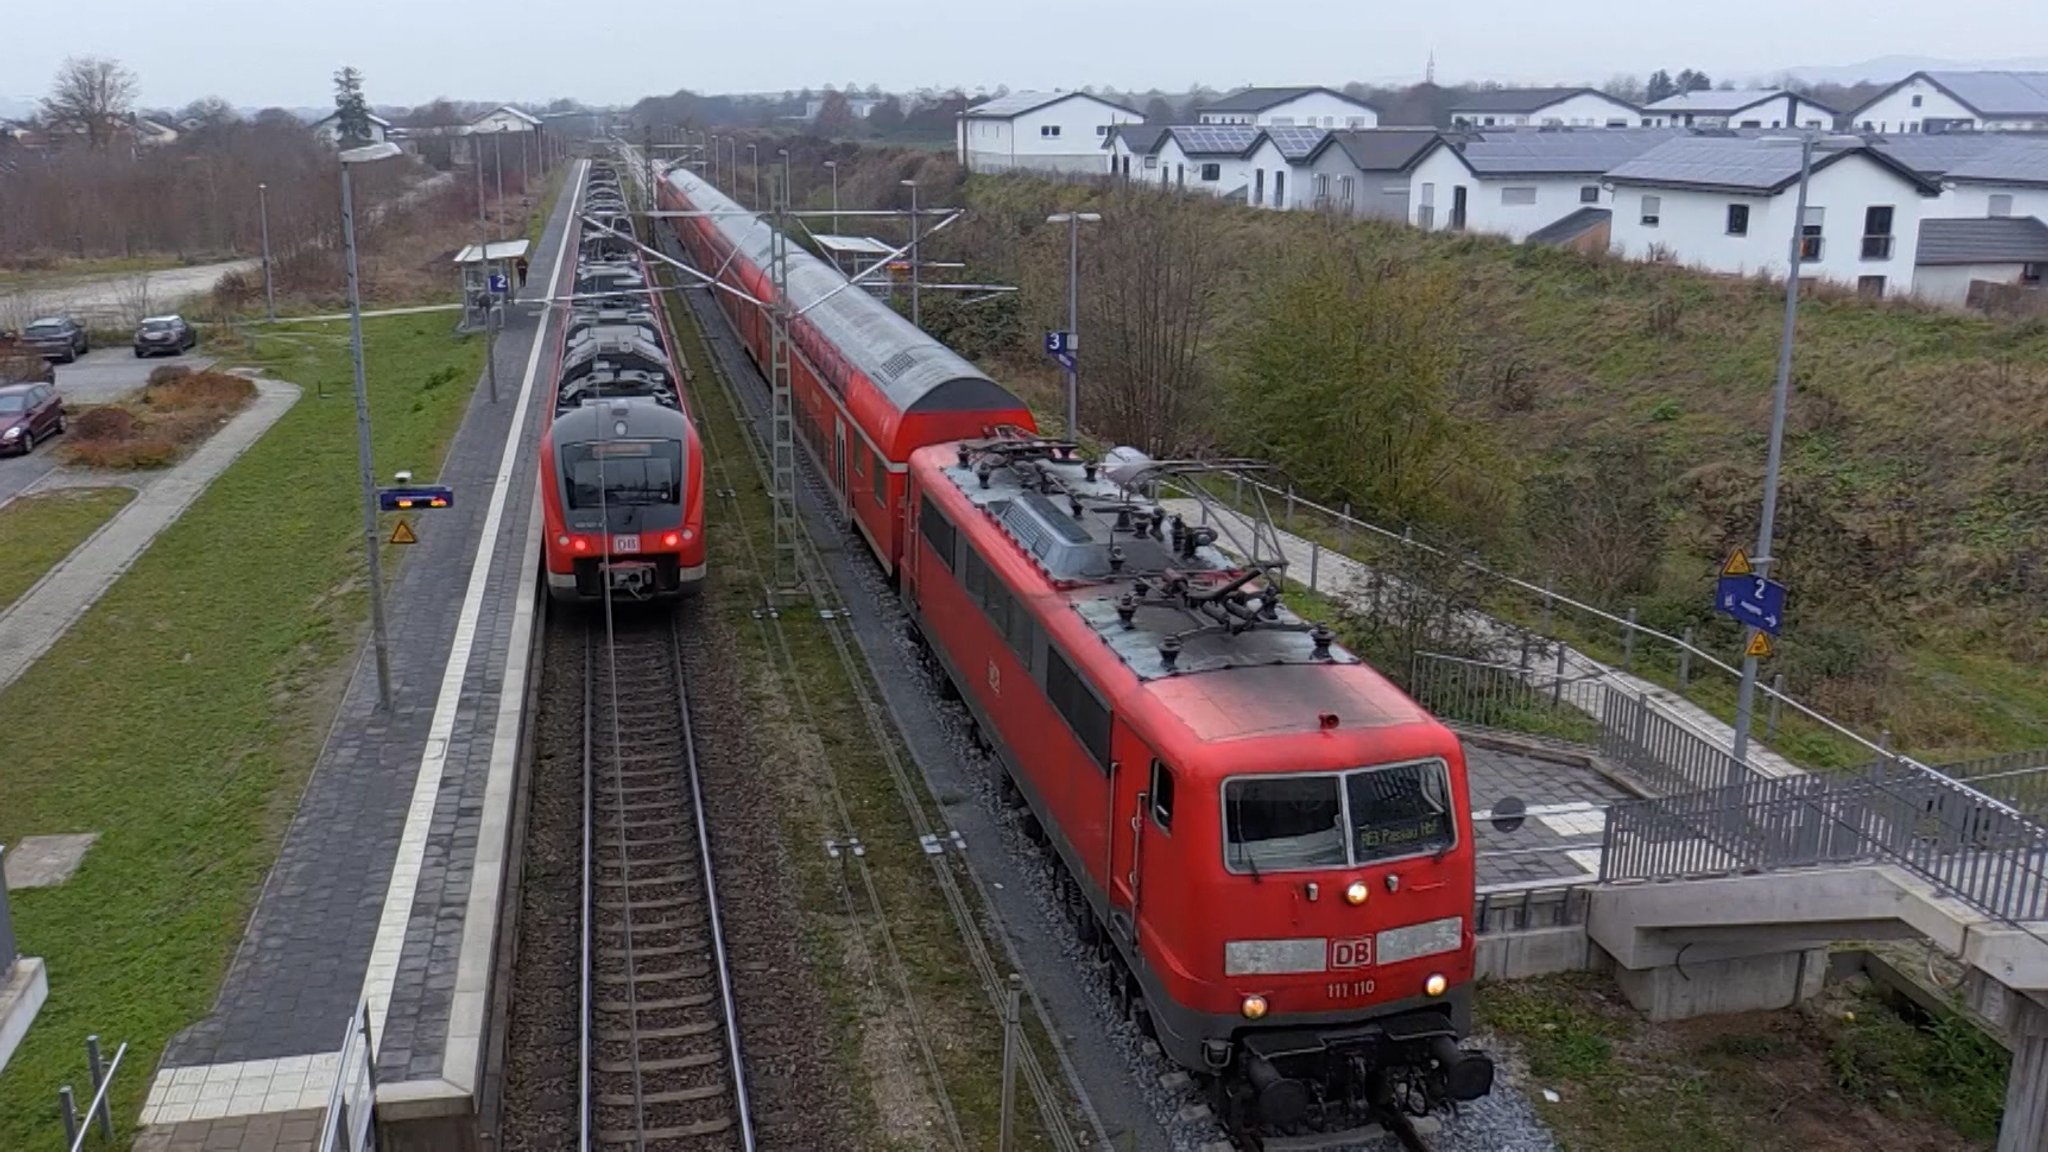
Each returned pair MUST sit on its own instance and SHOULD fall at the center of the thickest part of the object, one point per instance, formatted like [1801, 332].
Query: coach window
[1162, 796]
[1083, 713]
[938, 531]
[881, 480]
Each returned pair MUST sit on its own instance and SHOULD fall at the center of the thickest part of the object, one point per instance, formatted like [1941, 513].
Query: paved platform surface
[33, 623]
[386, 886]
[1560, 841]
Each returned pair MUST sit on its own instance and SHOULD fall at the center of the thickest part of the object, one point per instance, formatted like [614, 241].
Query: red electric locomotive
[1270, 842]
[622, 476]
[869, 387]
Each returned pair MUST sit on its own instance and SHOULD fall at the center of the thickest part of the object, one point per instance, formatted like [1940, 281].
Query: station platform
[387, 888]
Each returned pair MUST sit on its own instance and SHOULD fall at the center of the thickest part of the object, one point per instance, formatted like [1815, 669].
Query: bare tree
[92, 95]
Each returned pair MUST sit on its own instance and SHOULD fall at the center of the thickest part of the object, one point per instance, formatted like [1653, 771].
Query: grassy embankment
[180, 716]
[38, 531]
[1847, 1074]
[895, 1102]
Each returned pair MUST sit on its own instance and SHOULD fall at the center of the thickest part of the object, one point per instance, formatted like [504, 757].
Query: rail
[1689, 655]
[348, 1124]
[1969, 847]
[100, 1113]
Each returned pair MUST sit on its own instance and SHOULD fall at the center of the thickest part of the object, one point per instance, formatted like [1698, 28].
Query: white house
[2009, 177]
[1039, 132]
[861, 107]
[1954, 254]
[1516, 107]
[1290, 107]
[1959, 101]
[1725, 204]
[1364, 174]
[328, 128]
[1513, 183]
[504, 119]
[1714, 108]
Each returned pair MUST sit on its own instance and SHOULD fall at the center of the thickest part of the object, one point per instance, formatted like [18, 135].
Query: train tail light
[579, 544]
[671, 539]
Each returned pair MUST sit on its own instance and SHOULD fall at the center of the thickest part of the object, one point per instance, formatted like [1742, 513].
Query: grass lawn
[196, 694]
[38, 531]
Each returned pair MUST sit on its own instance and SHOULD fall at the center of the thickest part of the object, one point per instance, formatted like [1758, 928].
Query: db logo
[1355, 953]
[995, 679]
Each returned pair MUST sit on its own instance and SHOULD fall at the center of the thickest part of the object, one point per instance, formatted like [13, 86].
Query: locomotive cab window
[623, 472]
[938, 531]
[1337, 819]
[1162, 795]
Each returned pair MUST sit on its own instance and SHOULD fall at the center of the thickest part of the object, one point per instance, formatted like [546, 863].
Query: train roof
[916, 372]
[642, 419]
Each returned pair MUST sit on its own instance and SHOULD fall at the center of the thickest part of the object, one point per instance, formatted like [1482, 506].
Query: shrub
[107, 422]
[167, 373]
[216, 390]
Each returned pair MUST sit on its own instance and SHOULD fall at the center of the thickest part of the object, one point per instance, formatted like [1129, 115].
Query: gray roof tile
[1736, 163]
[2005, 160]
[1384, 149]
[1997, 240]
[1998, 93]
[1018, 103]
[1559, 151]
[1519, 99]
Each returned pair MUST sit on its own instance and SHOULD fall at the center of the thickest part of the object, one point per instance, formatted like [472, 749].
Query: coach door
[1128, 789]
[842, 482]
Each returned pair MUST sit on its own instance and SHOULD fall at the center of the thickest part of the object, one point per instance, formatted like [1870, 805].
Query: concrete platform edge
[20, 999]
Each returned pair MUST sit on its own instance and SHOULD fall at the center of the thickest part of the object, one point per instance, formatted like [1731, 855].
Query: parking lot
[100, 376]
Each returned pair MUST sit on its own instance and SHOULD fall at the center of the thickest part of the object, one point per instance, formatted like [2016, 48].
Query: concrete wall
[1693, 226]
[1949, 284]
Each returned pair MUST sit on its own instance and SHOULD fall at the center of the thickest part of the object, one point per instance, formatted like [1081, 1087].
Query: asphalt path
[100, 376]
[118, 293]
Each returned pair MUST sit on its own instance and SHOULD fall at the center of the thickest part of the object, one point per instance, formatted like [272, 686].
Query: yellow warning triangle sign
[1759, 645]
[403, 534]
[1738, 564]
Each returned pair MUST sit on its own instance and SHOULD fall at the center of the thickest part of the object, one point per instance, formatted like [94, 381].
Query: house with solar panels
[1519, 181]
[1720, 108]
[1210, 158]
[1543, 107]
[1726, 203]
[1959, 102]
[1047, 132]
[1289, 108]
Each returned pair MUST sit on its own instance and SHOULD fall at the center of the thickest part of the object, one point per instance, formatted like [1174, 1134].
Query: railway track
[661, 1063]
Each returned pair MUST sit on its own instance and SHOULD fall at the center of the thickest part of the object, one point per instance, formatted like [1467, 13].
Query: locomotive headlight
[1254, 1007]
[1357, 892]
[689, 533]
[1436, 985]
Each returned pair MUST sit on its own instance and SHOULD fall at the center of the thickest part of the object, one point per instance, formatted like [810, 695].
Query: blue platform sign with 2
[1752, 600]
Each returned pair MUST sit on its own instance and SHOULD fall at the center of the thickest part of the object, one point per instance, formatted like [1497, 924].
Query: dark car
[58, 338]
[164, 334]
[29, 412]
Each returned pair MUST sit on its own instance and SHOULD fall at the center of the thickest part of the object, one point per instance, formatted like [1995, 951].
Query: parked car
[164, 334]
[27, 413]
[58, 338]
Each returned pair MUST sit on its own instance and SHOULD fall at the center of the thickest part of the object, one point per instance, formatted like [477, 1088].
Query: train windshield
[616, 472]
[1337, 819]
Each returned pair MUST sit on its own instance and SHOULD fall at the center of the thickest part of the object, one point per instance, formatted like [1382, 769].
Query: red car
[27, 412]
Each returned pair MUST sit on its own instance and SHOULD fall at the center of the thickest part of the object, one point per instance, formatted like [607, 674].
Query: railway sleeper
[670, 1096]
[640, 1138]
[664, 1064]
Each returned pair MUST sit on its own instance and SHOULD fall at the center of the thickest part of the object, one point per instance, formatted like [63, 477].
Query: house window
[1738, 219]
[1870, 287]
[2031, 273]
[1049, 130]
[2001, 204]
[1258, 185]
[1279, 189]
[1810, 234]
[1180, 176]
[1617, 122]
[1102, 129]
[1212, 172]
[1515, 196]
[1916, 101]
[1322, 187]
[1589, 193]
[1162, 795]
[1653, 211]
[1151, 161]
[1425, 212]
[1344, 191]
[1877, 232]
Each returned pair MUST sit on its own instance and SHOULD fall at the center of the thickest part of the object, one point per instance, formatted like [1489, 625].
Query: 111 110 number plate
[626, 543]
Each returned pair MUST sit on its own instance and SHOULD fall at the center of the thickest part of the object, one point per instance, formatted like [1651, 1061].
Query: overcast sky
[265, 52]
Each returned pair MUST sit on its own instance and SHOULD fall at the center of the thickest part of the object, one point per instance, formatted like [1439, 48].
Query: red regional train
[1269, 842]
[622, 474]
[869, 387]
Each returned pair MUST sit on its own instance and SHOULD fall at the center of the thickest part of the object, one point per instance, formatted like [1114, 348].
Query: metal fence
[1498, 695]
[1526, 908]
[2017, 778]
[1660, 748]
[8, 954]
[1969, 847]
[350, 1123]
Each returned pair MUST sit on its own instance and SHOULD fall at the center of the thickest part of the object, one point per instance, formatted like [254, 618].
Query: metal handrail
[1406, 539]
[99, 1107]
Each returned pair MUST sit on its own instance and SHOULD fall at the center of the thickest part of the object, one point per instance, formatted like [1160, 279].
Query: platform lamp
[350, 159]
[833, 167]
[1073, 221]
[1807, 143]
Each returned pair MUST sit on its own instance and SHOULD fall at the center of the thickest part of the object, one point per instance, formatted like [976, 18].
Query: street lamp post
[788, 189]
[916, 316]
[498, 149]
[1073, 221]
[715, 150]
[263, 211]
[350, 159]
[754, 161]
[1746, 695]
[833, 165]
